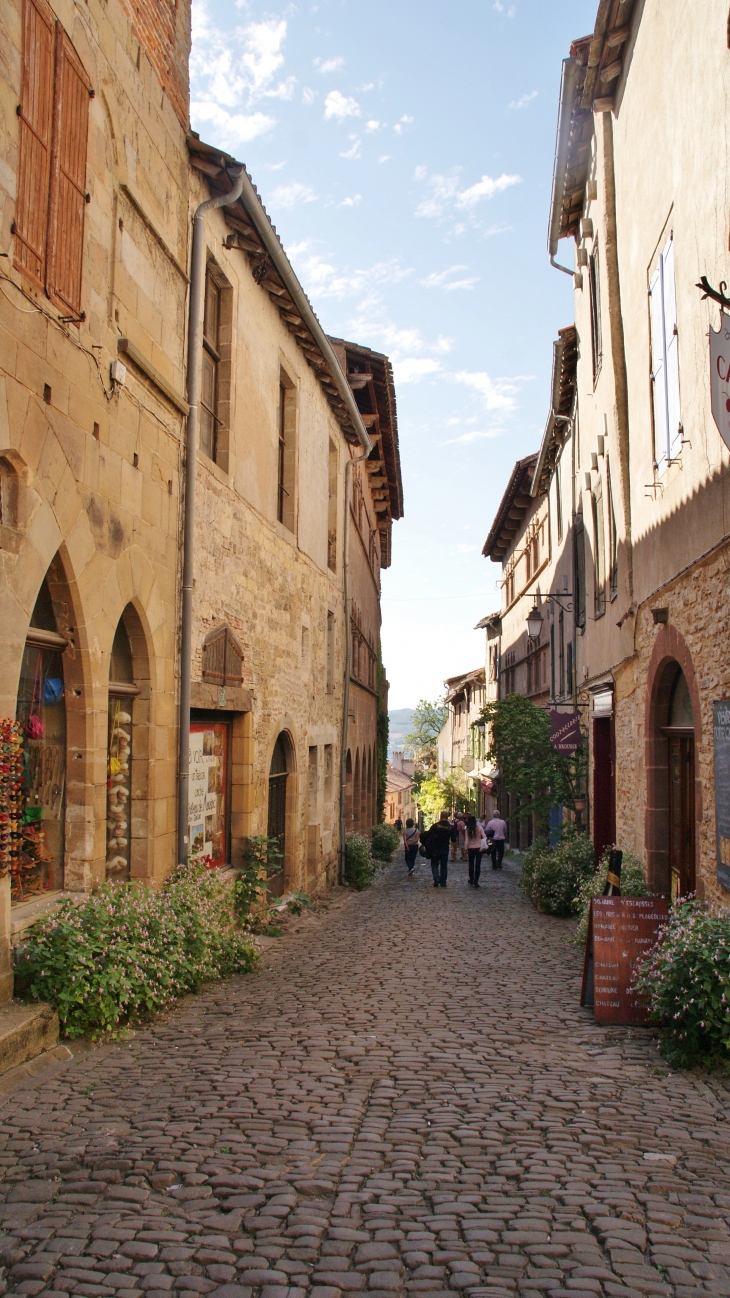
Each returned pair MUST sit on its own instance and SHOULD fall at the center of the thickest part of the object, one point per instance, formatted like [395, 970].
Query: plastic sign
[720, 376]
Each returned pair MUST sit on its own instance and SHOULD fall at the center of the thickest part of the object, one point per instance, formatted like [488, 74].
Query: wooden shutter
[671, 351]
[68, 177]
[36, 119]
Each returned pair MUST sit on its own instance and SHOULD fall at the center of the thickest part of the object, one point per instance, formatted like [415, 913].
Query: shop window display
[209, 797]
[122, 691]
[41, 713]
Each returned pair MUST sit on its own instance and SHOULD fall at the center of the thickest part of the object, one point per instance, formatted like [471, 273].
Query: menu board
[207, 791]
[721, 738]
[621, 931]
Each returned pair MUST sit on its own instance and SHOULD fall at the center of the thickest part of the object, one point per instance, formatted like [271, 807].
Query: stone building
[94, 242]
[642, 188]
[99, 180]
[399, 801]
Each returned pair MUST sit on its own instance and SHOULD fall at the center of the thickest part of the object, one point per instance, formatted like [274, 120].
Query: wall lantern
[534, 623]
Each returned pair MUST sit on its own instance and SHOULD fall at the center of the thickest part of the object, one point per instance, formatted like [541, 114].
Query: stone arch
[130, 716]
[281, 807]
[669, 657]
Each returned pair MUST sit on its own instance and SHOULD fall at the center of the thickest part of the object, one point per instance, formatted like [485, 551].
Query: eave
[565, 360]
[513, 507]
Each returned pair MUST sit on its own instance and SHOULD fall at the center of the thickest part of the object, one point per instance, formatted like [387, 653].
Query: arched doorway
[279, 772]
[680, 734]
[128, 714]
[41, 710]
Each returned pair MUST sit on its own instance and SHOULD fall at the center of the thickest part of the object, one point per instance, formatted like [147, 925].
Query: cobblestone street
[405, 1098]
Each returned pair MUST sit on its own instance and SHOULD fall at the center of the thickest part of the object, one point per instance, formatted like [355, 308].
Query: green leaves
[428, 721]
[384, 841]
[127, 951]
[535, 775]
[685, 980]
[360, 868]
[553, 877]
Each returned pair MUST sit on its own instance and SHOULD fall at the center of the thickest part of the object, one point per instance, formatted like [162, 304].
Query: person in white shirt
[411, 839]
[475, 841]
[497, 833]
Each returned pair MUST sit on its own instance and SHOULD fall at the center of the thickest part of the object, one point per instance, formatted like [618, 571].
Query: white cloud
[524, 100]
[354, 150]
[463, 548]
[475, 435]
[441, 279]
[351, 200]
[444, 192]
[329, 65]
[308, 96]
[442, 345]
[232, 129]
[385, 157]
[291, 195]
[320, 277]
[412, 369]
[372, 126]
[231, 70]
[262, 55]
[402, 125]
[499, 7]
[339, 106]
[497, 394]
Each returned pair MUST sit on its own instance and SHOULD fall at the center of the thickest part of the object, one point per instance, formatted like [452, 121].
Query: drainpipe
[194, 370]
[348, 662]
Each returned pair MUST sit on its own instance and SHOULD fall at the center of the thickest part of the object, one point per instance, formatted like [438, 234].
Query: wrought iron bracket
[717, 295]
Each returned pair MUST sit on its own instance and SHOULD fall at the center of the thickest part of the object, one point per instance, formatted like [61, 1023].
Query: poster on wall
[207, 792]
[721, 738]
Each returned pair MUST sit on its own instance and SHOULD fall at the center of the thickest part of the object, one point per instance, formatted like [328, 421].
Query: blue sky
[404, 152]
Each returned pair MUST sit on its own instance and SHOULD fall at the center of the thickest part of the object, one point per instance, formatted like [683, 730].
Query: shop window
[41, 711]
[122, 692]
[209, 792]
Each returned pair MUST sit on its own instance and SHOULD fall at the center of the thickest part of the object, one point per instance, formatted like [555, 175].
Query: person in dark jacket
[438, 840]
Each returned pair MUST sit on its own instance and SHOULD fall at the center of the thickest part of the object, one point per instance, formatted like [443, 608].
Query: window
[528, 561]
[328, 767]
[222, 658]
[595, 296]
[569, 665]
[332, 508]
[330, 649]
[552, 661]
[612, 540]
[665, 359]
[599, 550]
[286, 461]
[54, 124]
[209, 418]
[561, 652]
[580, 571]
[559, 501]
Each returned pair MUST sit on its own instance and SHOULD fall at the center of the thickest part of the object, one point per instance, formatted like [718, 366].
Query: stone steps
[27, 1029]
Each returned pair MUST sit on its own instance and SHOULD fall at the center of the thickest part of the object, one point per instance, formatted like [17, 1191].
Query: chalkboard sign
[621, 930]
[721, 736]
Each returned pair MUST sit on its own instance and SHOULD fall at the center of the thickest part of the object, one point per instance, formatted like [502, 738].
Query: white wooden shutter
[671, 352]
[658, 367]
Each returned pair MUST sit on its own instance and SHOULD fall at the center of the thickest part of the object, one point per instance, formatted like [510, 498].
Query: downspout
[348, 661]
[194, 373]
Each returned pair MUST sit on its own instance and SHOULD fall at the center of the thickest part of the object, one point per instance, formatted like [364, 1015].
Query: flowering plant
[553, 876]
[685, 980]
[360, 868]
[124, 953]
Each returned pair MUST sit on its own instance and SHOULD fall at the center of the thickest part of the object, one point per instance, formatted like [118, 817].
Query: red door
[604, 786]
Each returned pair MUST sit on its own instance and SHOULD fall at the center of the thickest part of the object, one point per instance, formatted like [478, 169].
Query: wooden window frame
[594, 285]
[286, 459]
[52, 165]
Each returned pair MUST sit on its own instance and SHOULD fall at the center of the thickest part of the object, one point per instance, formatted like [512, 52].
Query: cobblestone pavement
[406, 1098]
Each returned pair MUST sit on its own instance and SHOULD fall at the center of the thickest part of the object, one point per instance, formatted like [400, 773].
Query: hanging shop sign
[721, 737]
[621, 931]
[565, 735]
[720, 377]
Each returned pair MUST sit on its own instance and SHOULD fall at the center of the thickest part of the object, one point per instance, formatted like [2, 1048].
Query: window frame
[594, 287]
[664, 359]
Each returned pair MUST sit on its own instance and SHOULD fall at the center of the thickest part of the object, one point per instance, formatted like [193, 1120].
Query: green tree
[436, 794]
[532, 772]
[426, 726]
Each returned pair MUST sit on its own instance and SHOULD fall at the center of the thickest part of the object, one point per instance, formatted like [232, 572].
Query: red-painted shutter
[36, 118]
[68, 178]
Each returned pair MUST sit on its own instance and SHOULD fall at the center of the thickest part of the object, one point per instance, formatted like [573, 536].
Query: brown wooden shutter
[68, 177]
[36, 118]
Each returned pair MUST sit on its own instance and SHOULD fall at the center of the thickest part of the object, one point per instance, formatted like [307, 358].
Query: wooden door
[682, 816]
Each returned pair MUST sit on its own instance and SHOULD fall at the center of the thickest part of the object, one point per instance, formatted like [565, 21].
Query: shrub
[633, 884]
[552, 876]
[685, 981]
[360, 867]
[124, 953]
[385, 839]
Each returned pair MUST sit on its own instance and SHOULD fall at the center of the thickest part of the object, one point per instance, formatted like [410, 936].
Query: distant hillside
[400, 723]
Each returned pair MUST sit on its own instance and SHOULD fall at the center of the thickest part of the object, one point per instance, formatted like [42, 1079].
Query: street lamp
[534, 623]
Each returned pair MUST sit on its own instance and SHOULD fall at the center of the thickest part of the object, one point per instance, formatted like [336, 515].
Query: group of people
[471, 837]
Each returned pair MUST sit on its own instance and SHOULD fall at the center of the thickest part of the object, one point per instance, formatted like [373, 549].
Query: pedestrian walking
[398, 824]
[497, 832]
[476, 841]
[454, 822]
[411, 839]
[461, 829]
[437, 841]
